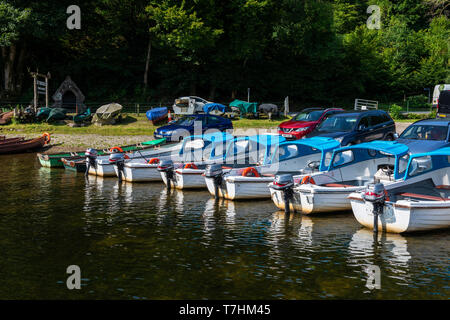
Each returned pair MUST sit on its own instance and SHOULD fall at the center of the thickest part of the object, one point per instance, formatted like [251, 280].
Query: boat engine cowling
[215, 172]
[118, 159]
[375, 193]
[91, 157]
[166, 167]
[284, 183]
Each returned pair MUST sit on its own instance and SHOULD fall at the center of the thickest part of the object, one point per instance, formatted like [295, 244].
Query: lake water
[137, 241]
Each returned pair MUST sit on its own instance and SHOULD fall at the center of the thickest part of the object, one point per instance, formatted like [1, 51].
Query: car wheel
[389, 137]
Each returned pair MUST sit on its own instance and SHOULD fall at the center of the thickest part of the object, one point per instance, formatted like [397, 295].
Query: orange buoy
[308, 179]
[47, 137]
[250, 170]
[190, 166]
[116, 149]
[153, 161]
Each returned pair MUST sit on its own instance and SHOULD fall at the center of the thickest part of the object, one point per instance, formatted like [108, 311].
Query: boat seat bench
[421, 196]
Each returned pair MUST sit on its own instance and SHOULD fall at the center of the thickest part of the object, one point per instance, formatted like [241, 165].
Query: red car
[305, 122]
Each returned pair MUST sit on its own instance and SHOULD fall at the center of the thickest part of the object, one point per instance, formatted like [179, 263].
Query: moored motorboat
[239, 154]
[54, 160]
[418, 202]
[287, 158]
[350, 169]
[103, 167]
[194, 149]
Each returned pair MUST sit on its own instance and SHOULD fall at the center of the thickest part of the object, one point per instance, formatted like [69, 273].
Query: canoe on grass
[25, 145]
[55, 160]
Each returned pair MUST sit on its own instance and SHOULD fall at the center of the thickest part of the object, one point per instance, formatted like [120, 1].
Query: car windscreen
[338, 124]
[308, 116]
[425, 132]
[185, 121]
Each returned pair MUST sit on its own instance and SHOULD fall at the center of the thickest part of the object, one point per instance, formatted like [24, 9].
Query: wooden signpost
[40, 87]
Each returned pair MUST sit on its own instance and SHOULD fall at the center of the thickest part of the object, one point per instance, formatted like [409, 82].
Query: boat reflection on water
[399, 254]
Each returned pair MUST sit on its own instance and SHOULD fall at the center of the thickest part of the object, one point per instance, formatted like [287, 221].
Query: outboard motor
[215, 172]
[376, 194]
[285, 183]
[91, 157]
[118, 160]
[166, 167]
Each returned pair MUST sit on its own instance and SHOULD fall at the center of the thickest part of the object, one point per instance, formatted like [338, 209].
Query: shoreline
[76, 142]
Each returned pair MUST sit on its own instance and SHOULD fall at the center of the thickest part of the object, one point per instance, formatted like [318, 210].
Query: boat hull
[314, 201]
[144, 173]
[404, 216]
[278, 199]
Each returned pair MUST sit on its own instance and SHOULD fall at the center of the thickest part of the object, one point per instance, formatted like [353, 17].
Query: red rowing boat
[25, 145]
[10, 140]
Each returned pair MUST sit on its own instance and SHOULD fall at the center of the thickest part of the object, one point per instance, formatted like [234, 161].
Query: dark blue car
[192, 124]
[353, 127]
[426, 135]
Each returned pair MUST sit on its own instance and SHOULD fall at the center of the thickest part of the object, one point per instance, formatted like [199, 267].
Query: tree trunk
[9, 58]
[9, 68]
[147, 63]
[212, 93]
[19, 69]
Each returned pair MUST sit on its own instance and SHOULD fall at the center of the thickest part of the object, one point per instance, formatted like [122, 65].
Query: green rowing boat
[55, 160]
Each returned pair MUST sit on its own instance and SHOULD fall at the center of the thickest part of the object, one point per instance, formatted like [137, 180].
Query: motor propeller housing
[213, 170]
[91, 157]
[285, 184]
[165, 166]
[375, 192]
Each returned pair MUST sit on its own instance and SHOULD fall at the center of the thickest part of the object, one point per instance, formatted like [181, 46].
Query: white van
[437, 90]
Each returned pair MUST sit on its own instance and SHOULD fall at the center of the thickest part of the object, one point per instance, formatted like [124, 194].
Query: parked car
[189, 105]
[443, 106]
[178, 129]
[437, 90]
[426, 135]
[353, 127]
[305, 122]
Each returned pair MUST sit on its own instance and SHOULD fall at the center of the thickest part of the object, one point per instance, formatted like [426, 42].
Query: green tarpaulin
[245, 107]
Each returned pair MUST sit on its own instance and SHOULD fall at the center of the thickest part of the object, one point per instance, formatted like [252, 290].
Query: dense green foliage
[316, 52]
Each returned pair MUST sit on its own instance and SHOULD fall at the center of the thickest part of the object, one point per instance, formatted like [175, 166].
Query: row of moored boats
[387, 187]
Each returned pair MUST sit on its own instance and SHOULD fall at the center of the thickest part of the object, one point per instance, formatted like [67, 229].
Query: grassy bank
[131, 125]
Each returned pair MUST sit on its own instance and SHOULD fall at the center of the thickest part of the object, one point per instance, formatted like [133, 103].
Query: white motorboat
[288, 158]
[193, 149]
[350, 169]
[418, 202]
[240, 153]
[101, 166]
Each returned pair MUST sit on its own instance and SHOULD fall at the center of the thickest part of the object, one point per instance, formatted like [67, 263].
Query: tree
[11, 19]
